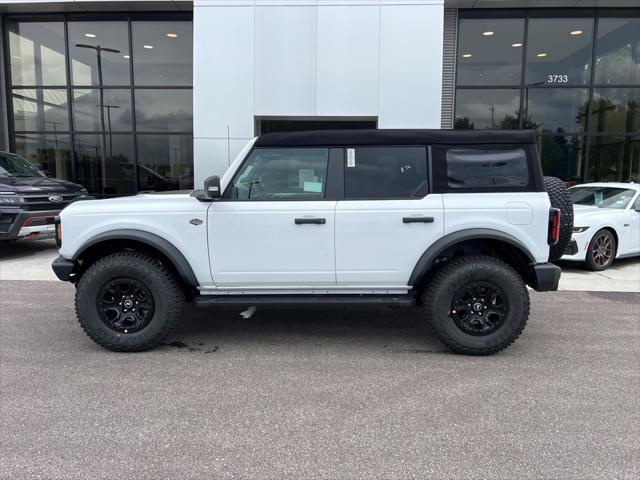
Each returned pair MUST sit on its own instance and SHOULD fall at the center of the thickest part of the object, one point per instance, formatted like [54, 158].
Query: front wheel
[601, 251]
[128, 301]
[476, 305]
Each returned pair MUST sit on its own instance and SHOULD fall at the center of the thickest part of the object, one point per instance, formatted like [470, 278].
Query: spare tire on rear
[561, 199]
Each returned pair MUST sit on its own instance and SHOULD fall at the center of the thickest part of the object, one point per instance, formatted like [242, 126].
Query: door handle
[417, 219]
[315, 221]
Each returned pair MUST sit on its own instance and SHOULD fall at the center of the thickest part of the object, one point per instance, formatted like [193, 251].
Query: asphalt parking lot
[324, 393]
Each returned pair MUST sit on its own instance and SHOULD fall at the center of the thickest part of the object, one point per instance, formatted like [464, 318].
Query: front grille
[40, 202]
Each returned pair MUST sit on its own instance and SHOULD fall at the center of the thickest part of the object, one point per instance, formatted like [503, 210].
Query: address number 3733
[557, 78]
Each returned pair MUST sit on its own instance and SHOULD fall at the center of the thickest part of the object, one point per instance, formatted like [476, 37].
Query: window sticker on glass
[351, 157]
[306, 175]
[598, 197]
[315, 187]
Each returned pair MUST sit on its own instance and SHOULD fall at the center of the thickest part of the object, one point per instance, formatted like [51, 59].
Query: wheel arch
[470, 241]
[614, 232]
[115, 240]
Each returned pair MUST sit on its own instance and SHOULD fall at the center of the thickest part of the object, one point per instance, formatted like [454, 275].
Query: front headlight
[11, 199]
[580, 229]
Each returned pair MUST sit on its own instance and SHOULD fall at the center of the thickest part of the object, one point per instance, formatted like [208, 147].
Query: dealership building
[126, 96]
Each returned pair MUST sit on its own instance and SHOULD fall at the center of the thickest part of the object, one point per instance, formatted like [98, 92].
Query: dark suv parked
[29, 199]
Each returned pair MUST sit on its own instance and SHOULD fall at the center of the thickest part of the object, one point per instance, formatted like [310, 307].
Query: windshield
[15, 166]
[602, 197]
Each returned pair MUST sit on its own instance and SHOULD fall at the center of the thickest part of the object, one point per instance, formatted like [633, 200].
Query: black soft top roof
[327, 138]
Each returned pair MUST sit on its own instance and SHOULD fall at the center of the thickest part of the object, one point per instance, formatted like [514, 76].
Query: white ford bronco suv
[458, 223]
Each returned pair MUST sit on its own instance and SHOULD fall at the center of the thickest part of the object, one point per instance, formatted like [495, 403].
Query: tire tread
[175, 295]
[430, 291]
[560, 198]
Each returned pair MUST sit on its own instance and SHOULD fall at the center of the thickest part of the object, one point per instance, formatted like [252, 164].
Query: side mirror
[212, 187]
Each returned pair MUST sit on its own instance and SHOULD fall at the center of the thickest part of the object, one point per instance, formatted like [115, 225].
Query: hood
[31, 185]
[143, 203]
[582, 212]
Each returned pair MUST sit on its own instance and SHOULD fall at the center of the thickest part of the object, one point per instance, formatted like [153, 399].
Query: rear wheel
[560, 198]
[476, 305]
[128, 301]
[601, 251]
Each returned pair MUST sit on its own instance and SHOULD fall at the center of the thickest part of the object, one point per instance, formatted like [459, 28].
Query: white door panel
[629, 233]
[374, 247]
[635, 232]
[259, 243]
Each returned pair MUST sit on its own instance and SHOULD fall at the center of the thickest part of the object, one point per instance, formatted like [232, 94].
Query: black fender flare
[429, 256]
[165, 247]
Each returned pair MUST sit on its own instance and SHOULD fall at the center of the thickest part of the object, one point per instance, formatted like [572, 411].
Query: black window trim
[536, 180]
[335, 185]
[226, 195]
[428, 180]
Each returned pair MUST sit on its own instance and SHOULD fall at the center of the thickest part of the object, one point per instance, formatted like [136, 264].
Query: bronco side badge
[195, 221]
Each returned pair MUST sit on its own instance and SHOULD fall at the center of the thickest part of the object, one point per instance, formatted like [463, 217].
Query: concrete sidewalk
[31, 260]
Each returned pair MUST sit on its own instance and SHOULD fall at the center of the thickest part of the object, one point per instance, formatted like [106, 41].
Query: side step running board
[249, 300]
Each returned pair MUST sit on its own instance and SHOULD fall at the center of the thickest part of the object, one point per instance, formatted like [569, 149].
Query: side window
[281, 174]
[477, 168]
[636, 206]
[386, 172]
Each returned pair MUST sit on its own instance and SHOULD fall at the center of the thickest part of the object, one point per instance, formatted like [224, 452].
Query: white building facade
[187, 83]
[311, 59]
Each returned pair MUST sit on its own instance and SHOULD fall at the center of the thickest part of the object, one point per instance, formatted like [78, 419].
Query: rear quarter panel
[523, 215]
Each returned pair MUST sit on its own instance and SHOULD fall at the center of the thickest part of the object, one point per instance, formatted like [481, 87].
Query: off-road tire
[439, 293]
[590, 262]
[168, 297]
[560, 198]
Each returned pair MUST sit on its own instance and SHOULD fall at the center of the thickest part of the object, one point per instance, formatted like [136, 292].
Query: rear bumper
[547, 277]
[63, 268]
[18, 224]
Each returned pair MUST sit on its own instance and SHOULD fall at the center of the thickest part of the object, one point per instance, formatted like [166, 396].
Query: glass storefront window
[616, 110]
[165, 162]
[84, 38]
[110, 174]
[559, 51]
[57, 117]
[162, 53]
[490, 51]
[487, 108]
[37, 53]
[49, 152]
[562, 156]
[586, 112]
[557, 110]
[116, 106]
[164, 110]
[40, 109]
[618, 51]
[613, 159]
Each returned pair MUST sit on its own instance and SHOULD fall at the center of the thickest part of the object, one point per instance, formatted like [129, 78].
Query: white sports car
[606, 223]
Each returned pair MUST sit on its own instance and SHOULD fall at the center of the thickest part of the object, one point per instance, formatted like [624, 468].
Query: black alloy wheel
[129, 301]
[479, 308]
[125, 305]
[476, 305]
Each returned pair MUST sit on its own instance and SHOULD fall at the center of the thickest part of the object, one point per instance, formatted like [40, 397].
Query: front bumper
[17, 223]
[546, 277]
[63, 268]
[577, 250]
